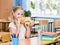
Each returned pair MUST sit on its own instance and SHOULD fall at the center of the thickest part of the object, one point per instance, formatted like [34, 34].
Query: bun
[22, 20]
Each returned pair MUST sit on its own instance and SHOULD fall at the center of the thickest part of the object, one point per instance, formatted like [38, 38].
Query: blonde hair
[16, 8]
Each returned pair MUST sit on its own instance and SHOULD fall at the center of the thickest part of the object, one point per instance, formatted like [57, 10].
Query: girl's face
[18, 14]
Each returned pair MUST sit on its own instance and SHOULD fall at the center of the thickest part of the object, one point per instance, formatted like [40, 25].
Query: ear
[13, 13]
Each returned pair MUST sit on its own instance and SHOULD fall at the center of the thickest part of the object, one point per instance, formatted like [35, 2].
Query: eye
[18, 14]
[22, 14]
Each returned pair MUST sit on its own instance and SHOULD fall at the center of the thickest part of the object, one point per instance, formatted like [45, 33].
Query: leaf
[32, 5]
[53, 6]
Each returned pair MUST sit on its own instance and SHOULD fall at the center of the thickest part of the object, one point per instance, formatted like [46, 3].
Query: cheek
[15, 16]
[18, 16]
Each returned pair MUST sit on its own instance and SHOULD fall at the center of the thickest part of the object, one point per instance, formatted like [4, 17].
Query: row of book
[49, 36]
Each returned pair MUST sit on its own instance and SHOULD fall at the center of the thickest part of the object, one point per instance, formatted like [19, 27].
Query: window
[45, 7]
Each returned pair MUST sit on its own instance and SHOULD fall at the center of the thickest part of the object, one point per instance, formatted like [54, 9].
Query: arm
[14, 31]
[11, 30]
[14, 27]
[27, 31]
[17, 30]
[17, 23]
[28, 26]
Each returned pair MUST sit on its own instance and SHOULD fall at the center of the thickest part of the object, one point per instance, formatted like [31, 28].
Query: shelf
[47, 16]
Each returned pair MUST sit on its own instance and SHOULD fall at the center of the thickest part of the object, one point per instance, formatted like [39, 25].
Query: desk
[4, 25]
[31, 41]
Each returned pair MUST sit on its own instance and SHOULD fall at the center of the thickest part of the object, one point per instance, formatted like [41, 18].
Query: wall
[23, 3]
[13, 3]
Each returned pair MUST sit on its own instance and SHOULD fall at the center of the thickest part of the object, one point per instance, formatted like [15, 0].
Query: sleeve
[11, 25]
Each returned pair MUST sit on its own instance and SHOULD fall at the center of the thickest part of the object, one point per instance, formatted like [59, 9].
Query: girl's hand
[27, 23]
[17, 22]
[17, 34]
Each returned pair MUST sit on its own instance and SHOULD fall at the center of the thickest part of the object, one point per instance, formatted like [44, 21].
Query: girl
[15, 26]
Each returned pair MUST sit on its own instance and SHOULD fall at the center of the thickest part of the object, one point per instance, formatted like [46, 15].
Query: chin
[18, 17]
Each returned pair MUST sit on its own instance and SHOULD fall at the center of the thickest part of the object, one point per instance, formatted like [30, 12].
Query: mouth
[18, 17]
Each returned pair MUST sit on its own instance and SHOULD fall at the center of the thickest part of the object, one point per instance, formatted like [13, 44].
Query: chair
[57, 25]
[44, 24]
[5, 38]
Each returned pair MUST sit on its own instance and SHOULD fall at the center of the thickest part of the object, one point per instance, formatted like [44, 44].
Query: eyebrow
[20, 13]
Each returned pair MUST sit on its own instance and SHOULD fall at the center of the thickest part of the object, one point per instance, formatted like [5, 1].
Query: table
[31, 41]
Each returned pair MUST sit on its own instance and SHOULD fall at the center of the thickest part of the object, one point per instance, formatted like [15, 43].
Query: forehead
[19, 11]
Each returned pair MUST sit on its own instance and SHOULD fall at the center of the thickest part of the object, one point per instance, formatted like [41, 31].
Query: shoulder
[11, 24]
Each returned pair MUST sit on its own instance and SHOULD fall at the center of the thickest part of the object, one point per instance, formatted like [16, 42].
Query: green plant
[27, 13]
[32, 5]
[54, 6]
